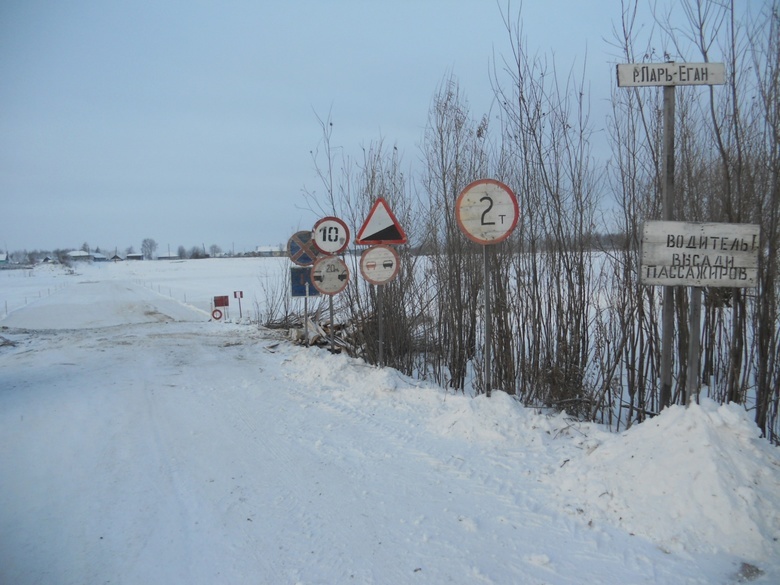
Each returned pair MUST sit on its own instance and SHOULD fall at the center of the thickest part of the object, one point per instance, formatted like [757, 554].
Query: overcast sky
[192, 122]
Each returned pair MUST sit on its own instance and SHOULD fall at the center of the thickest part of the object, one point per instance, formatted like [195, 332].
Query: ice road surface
[142, 443]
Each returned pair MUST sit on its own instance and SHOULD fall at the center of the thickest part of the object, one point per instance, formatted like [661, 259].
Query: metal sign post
[330, 276]
[306, 317]
[380, 307]
[488, 323]
[487, 213]
[379, 265]
[301, 286]
[669, 75]
[239, 294]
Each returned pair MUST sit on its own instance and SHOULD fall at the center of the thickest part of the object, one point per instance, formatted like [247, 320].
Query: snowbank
[697, 479]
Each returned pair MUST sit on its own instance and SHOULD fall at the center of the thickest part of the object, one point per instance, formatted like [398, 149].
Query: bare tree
[547, 135]
[148, 248]
[455, 156]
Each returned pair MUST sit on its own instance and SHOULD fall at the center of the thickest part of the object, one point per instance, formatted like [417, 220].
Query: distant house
[168, 257]
[98, 257]
[79, 256]
[134, 257]
[3, 257]
[269, 251]
[116, 258]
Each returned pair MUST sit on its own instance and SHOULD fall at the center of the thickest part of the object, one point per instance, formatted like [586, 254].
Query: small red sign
[238, 294]
[223, 301]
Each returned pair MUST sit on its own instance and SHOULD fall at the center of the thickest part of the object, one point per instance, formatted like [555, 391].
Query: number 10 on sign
[330, 235]
[487, 211]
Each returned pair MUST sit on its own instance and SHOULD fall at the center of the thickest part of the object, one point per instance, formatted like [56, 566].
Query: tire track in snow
[306, 488]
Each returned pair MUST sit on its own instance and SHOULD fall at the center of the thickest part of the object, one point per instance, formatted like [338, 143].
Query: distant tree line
[148, 250]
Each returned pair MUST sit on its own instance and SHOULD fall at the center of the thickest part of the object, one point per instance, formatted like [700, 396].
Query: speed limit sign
[330, 235]
[487, 211]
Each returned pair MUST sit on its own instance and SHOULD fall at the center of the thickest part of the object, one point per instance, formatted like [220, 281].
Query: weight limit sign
[487, 211]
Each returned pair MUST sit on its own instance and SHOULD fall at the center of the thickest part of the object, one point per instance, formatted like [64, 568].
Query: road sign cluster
[316, 252]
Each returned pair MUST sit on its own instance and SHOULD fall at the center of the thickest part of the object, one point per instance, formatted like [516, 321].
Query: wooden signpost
[669, 75]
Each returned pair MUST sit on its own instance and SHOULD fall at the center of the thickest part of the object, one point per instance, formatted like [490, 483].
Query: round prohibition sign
[331, 235]
[216, 314]
[329, 275]
[487, 211]
[301, 249]
[379, 264]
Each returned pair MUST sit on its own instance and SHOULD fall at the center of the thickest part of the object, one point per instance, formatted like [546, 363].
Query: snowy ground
[141, 443]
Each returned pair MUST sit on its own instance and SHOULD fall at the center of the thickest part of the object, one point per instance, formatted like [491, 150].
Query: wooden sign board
[655, 74]
[699, 254]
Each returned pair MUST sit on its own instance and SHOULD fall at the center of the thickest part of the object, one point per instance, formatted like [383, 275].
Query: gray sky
[191, 122]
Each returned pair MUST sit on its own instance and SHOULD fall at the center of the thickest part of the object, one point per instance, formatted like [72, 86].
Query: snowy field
[143, 443]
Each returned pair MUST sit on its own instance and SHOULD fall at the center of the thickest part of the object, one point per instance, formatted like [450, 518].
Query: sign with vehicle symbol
[379, 264]
[487, 211]
[329, 275]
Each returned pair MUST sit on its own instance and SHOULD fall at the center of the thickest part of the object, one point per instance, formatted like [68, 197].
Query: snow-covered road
[141, 443]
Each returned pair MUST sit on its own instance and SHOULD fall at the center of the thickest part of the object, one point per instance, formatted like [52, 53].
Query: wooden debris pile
[311, 332]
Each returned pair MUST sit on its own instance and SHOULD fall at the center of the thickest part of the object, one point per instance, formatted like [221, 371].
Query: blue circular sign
[301, 249]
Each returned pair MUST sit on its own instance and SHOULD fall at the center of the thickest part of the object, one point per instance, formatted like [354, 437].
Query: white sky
[192, 122]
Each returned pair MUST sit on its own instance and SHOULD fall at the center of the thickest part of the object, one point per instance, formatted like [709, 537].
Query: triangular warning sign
[380, 227]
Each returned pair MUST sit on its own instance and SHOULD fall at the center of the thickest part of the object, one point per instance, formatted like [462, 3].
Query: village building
[79, 256]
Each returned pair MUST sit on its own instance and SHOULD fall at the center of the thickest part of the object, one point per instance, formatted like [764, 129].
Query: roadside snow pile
[697, 479]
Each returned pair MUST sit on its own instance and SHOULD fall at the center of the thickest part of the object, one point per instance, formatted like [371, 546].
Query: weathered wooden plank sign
[655, 74]
[700, 254]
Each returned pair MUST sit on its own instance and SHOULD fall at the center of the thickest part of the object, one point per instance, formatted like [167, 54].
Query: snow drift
[142, 443]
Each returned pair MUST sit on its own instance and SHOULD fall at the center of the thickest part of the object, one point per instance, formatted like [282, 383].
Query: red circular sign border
[337, 220]
[501, 186]
[323, 259]
[313, 249]
[395, 272]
